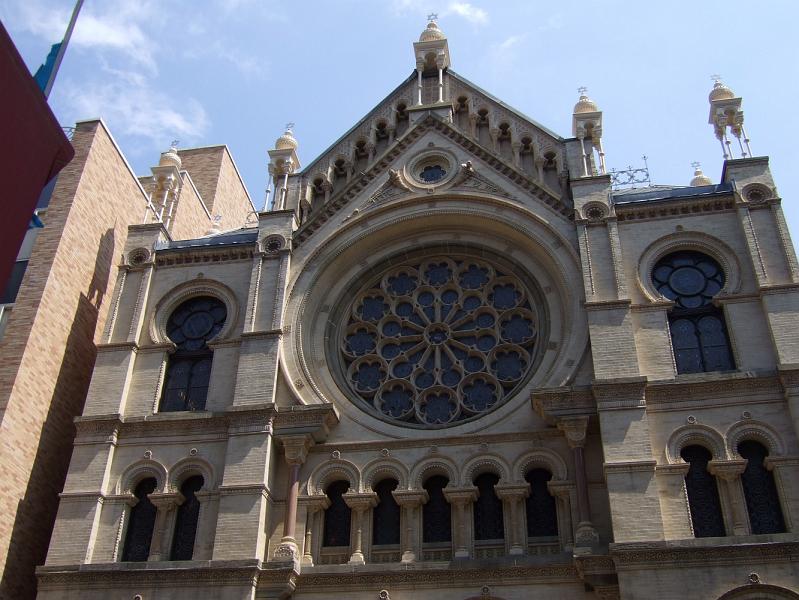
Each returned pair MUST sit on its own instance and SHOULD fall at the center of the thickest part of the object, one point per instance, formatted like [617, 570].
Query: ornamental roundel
[434, 342]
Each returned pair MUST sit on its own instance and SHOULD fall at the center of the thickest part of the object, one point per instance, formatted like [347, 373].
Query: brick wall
[48, 350]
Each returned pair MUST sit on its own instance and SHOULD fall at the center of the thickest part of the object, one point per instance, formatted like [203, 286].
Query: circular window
[437, 341]
[195, 322]
[432, 173]
[690, 279]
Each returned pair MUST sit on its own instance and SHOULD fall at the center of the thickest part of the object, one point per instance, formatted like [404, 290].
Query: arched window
[386, 515]
[140, 523]
[337, 516]
[703, 493]
[760, 491]
[488, 522]
[186, 520]
[698, 331]
[436, 515]
[542, 514]
[193, 324]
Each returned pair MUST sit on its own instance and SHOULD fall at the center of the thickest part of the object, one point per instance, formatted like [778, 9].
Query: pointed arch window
[338, 516]
[140, 523]
[386, 515]
[436, 512]
[698, 330]
[191, 326]
[542, 515]
[703, 493]
[188, 514]
[488, 519]
[760, 490]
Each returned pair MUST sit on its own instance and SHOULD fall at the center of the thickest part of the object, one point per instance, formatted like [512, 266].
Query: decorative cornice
[647, 466]
[316, 420]
[737, 387]
[436, 577]
[205, 254]
[658, 209]
[666, 555]
[555, 403]
[620, 394]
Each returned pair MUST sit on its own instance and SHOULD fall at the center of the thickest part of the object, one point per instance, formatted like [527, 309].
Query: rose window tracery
[437, 341]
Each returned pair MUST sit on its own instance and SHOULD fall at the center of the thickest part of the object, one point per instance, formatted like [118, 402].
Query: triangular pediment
[469, 180]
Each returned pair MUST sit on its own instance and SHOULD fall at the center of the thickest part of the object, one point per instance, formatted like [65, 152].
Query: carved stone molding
[702, 554]
[574, 428]
[620, 394]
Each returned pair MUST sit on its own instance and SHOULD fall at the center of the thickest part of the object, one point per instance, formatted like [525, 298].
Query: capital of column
[728, 470]
[561, 489]
[410, 498]
[166, 501]
[360, 502]
[295, 447]
[462, 495]
[314, 503]
[511, 491]
[574, 428]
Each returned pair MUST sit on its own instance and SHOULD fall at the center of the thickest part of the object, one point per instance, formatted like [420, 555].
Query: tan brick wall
[48, 350]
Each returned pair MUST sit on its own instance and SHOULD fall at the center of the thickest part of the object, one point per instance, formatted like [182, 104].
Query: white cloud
[132, 107]
[510, 42]
[471, 13]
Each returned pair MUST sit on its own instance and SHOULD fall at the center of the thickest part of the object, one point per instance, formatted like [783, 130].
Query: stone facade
[440, 178]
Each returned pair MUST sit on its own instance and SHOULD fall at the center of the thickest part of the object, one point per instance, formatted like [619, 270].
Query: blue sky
[235, 71]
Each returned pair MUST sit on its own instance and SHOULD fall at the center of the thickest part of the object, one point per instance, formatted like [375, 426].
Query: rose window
[436, 342]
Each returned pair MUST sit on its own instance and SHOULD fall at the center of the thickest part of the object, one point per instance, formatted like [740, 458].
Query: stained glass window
[760, 490]
[386, 515]
[436, 512]
[193, 324]
[698, 330]
[542, 515]
[703, 493]
[438, 341]
[432, 173]
[186, 520]
[488, 521]
[140, 523]
[337, 516]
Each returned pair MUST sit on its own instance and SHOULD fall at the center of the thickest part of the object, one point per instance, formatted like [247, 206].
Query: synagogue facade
[452, 361]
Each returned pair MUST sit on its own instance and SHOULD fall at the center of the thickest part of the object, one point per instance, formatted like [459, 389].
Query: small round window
[432, 173]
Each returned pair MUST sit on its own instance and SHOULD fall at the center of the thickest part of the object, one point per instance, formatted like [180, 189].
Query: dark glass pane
[436, 515]
[703, 493]
[488, 522]
[432, 173]
[337, 516]
[186, 520]
[542, 515]
[386, 515]
[760, 491]
[699, 337]
[140, 523]
[191, 326]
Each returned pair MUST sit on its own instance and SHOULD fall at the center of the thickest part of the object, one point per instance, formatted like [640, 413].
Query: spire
[283, 161]
[432, 57]
[587, 127]
[699, 178]
[726, 114]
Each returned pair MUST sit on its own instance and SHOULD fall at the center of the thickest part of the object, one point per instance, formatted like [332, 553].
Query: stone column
[295, 449]
[314, 505]
[784, 469]
[164, 524]
[729, 472]
[359, 503]
[461, 498]
[574, 429]
[410, 501]
[562, 490]
[673, 501]
[206, 524]
[512, 496]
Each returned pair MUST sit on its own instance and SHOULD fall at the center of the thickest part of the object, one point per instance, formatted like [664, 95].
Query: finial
[716, 78]
[582, 90]
[699, 177]
[584, 104]
[174, 144]
[289, 126]
[432, 17]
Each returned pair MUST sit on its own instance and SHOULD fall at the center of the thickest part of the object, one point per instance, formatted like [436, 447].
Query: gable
[319, 205]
